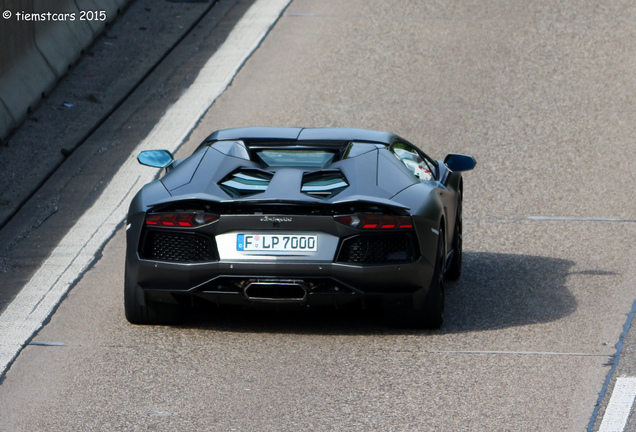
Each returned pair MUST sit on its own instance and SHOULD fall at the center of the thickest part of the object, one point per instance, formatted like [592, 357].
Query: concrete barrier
[40, 41]
[61, 42]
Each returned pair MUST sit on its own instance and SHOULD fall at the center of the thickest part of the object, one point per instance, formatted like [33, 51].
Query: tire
[454, 271]
[150, 312]
[136, 313]
[431, 315]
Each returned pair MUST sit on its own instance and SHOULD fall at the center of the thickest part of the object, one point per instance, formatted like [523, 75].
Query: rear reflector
[181, 219]
[376, 221]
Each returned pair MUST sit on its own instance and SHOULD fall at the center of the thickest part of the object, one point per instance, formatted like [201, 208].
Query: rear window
[311, 158]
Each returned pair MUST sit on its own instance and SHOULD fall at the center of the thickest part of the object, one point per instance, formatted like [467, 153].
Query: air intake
[324, 184]
[181, 247]
[245, 182]
[378, 249]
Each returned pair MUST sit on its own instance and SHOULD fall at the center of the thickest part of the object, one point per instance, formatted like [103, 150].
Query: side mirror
[155, 158]
[459, 162]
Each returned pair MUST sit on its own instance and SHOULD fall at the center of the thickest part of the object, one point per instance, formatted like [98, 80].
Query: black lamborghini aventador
[296, 217]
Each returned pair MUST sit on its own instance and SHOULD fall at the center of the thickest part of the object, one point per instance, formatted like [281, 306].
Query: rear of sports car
[285, 222]
[277, 254]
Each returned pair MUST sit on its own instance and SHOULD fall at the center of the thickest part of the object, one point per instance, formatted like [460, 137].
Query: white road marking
[75, 252]
[528, 353]
[619, 406]
[576, 219]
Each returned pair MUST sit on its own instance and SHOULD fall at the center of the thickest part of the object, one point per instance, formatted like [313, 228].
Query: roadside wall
[39, 41]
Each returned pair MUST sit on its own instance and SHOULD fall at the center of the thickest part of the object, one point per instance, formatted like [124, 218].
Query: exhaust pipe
[274, 290]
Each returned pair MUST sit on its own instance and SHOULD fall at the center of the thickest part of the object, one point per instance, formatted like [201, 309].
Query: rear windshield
[312, 158]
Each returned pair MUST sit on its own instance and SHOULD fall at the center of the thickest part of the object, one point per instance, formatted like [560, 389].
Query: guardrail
[39, 41]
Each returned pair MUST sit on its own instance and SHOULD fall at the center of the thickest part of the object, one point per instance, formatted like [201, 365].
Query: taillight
[376, 221]
[181, 219]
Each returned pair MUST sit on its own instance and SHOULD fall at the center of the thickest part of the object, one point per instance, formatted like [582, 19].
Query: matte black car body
[375, 221]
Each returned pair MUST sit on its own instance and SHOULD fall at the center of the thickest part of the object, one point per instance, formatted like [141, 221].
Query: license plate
[277, 242]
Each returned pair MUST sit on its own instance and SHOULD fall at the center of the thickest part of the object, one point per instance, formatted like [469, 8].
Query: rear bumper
[286, 284]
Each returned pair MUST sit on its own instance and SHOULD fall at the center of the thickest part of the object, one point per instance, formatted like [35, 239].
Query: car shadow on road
[495, 291]
[508, 290]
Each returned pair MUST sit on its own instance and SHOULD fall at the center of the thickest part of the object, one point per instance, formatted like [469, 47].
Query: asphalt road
[542, 94]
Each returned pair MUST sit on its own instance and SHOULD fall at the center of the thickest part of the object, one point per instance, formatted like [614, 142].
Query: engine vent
[179, 247]
[244, 182]
[324, 184]
[397, 248]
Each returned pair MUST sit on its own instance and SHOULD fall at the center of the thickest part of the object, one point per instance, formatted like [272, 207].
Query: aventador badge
[275, 219]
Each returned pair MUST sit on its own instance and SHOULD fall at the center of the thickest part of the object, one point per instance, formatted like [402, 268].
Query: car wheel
[150, 312]
[431, 315]
[134, 310]
[455, 269]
